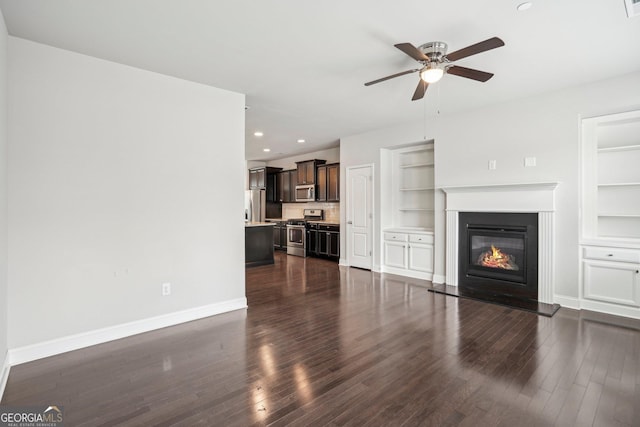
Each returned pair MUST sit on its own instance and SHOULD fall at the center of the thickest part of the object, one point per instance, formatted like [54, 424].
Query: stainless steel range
[297, 231]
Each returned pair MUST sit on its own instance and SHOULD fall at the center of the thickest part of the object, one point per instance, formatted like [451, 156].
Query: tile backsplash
[294, 210]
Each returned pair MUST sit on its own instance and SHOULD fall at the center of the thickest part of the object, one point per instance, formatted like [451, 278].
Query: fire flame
[495, 258]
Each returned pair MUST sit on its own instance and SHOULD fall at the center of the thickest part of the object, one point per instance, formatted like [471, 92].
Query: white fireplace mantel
[527, 197]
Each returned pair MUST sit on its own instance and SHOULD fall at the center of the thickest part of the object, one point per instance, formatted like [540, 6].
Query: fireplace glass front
[497, 253]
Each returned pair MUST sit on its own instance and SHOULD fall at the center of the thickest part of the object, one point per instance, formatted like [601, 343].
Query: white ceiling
[302, 64]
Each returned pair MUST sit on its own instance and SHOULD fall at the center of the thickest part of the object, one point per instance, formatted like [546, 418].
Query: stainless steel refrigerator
[255, 205]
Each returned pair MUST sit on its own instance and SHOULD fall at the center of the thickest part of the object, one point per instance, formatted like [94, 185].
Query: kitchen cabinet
[328, 183]
[323, 240]
[408, 253]
[286, 184]
[306, 171]
[257, 178]
[280, 235]
[264, 178]
[258, 244]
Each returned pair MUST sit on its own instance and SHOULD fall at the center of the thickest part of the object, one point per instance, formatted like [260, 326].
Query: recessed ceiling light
[258, 133]
[301, 141]
[524, 6]
[266, 150]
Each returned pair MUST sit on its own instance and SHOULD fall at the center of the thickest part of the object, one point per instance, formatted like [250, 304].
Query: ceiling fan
[435, 62]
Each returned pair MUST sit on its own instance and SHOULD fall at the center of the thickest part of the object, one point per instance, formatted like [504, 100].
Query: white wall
[119, 180]
[545, 126]
[3, 197]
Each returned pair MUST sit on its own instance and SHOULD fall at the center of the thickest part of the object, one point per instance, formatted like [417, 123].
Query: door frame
[348, 202]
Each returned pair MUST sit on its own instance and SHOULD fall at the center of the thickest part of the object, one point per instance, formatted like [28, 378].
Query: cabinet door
[333, 183]
[302, 173]
[421, 257]
[253, 179]
[321, 176]
[614, 282]
[395, 254]
[293, 181]
[323, 242]
[277, 236]
[280, 181]
[312, 242]
[334, 244]
[272, 187]
[285, 187]
[310, 173]
[261, 178]
[283, 236]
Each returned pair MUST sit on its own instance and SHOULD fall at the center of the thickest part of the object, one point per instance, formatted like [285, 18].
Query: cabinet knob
[609, 254]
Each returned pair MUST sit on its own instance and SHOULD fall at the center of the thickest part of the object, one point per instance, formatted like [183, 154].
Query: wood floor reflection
[323, 345]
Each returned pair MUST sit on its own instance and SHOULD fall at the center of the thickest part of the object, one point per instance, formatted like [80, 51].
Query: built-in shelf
[417, 165]
[614, 215]
[412, 187]
[418, 189]
[620, 184]
[611, 177]
[618, 148]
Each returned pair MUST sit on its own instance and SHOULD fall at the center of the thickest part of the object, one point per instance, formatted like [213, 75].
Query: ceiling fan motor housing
[434, 50]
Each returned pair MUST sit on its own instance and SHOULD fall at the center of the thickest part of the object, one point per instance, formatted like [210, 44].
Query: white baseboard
[599, 306]
[615, 309]
[438, 279]
[28, 353]
[343, 262]
[4, 375]
[408, 273]
[567, 302]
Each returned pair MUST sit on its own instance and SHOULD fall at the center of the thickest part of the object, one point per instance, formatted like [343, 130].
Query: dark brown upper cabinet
[287, 186]
[307, 171]
[265, 178]
[328, 187]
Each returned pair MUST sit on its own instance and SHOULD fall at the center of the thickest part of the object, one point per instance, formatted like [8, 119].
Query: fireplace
[537, 199]
[498, 254]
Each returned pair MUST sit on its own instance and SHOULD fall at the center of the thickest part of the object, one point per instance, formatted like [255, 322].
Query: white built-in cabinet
[408, 231]
[610, 217]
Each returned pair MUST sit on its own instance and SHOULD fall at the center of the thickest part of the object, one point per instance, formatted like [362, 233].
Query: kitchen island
[258, 243]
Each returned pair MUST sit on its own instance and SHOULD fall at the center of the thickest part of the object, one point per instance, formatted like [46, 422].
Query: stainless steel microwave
[305, 193]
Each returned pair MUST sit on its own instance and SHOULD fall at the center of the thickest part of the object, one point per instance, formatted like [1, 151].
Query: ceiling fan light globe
[431, 75]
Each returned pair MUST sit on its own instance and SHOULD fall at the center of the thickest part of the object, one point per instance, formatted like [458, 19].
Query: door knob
[349, 222]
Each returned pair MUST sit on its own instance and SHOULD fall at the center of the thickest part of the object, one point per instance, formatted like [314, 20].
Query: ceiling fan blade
[420, 90]
[412, 51]
[390, 77]
[469, 73]
[488, 44]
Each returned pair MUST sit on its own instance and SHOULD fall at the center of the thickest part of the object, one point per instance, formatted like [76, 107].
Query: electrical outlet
[492, 165]
[166, 289]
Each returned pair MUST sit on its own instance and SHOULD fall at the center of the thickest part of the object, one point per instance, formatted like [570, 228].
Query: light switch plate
[492, 165]
[529, 161]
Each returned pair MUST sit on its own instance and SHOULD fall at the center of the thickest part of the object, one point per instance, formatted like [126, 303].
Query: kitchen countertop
[258, 224]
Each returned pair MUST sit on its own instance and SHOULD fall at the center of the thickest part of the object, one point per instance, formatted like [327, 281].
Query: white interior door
[360, 216]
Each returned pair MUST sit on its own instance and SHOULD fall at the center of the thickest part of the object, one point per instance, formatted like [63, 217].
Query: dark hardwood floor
[323, 345]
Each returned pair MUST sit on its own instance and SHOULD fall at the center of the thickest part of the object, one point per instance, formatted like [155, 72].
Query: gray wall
[117, 179]
[544, 126]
